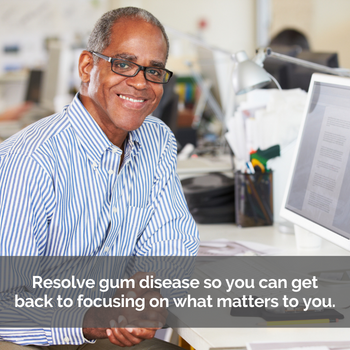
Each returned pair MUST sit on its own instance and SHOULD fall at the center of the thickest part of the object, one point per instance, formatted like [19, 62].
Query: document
[329, 166]
[320, 187]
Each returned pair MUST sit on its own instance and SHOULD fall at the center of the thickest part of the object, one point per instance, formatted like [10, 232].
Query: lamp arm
[335, 71]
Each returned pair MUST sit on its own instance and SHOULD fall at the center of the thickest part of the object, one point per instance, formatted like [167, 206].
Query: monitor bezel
[290, 215]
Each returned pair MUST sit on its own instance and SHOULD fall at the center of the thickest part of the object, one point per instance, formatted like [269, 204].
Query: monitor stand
[306, 239]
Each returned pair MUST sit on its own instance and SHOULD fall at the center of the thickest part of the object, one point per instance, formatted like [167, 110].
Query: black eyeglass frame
[111, 60]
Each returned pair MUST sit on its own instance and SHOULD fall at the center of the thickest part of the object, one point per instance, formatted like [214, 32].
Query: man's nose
[138, 81]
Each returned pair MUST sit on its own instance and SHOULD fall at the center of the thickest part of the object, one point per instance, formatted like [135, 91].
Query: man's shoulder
[157, 140]
[155, 131]
[29, 140]
[155, 125]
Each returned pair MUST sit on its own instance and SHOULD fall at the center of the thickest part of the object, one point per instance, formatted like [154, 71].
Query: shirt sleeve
[27, 202]
[171, 230]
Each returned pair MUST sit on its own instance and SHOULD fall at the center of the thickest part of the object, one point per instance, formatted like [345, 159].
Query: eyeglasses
[131, 69]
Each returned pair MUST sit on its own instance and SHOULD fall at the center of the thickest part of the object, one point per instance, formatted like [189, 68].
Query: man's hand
[133, 326]
[125, 335]
[15, 113]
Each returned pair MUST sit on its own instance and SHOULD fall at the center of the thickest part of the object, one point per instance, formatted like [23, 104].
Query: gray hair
[100, 36]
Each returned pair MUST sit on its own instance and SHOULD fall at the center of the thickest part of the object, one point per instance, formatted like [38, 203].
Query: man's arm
[26, 207]
[171, 230]
[27, 203]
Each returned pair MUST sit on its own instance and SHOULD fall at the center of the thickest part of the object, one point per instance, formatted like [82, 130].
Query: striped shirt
[61, 194]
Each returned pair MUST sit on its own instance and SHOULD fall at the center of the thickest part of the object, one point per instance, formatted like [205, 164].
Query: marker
[297, 322]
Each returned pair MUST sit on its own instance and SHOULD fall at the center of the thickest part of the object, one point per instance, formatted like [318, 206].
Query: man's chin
[130, 128]
[135, 125]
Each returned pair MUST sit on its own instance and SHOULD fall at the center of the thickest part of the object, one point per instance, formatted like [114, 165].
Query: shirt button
[115, 209]
[106, 249]
[110, 172]
[114, 149]
[66, 340]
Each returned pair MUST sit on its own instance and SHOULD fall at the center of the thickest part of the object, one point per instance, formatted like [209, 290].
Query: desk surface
[269, 235]
[236, 338]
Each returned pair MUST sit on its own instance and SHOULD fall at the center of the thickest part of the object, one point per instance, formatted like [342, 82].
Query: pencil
[297, 322]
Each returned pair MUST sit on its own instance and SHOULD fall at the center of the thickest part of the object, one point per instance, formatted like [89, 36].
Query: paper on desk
[236, 136]
[307, 345]
[224, 247]
[279, 123]
[303, 348]
[268, 117]
[260, 248]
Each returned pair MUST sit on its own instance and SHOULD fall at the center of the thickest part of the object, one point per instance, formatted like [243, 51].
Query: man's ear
[86, 63]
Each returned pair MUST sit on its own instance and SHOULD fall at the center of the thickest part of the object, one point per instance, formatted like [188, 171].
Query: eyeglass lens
[157, 75]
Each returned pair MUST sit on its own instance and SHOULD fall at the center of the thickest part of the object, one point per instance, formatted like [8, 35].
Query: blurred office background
[40, 42]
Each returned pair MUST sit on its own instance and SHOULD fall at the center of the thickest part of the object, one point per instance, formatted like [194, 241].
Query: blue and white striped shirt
[61, 195]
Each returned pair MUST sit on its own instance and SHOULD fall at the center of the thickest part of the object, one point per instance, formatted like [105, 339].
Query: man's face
[137, 41]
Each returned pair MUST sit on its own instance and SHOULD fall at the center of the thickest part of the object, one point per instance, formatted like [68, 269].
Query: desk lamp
[249, 74]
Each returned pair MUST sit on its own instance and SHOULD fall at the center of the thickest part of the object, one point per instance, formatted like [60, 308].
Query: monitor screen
[34, 86]
[318, 191]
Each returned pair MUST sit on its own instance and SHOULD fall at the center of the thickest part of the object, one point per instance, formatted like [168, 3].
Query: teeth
[130, 99]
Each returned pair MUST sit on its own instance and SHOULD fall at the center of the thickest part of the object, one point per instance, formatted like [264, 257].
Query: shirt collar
[134, 137]
[89, 134]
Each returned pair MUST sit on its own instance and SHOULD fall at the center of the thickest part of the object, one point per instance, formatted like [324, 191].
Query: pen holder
[253, 199]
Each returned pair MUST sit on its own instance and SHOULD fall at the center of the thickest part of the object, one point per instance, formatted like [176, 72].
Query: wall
[27, 23]
[231, 23]
[325, 23]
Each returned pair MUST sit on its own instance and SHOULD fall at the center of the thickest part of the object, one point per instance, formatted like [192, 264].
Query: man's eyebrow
[133, 58]
[157, 64]
[126, 56]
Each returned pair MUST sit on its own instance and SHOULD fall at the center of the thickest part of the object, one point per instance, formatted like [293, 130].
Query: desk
[236, 338]
[204, 165]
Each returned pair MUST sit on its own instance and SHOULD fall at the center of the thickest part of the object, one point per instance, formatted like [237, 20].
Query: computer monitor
[207, 62]
[292, 76]
[281, 70]
[318, 190]
[51, 77]
[33, 92]
[300, 76]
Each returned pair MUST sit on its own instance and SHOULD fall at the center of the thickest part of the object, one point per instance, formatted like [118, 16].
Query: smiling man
[125, 85]
[99, 178]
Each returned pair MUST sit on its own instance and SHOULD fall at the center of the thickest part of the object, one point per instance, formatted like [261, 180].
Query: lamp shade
[248, 75]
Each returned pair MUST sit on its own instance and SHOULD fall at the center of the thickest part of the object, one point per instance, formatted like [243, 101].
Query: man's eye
[121, 65]
[155, 72]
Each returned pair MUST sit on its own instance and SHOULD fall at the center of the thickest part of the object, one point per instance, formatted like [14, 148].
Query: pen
[250, 168]
[251, 203]
[256, 195]
[296, 322]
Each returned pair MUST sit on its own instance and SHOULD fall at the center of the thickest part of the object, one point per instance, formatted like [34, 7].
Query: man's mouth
[130, 99]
